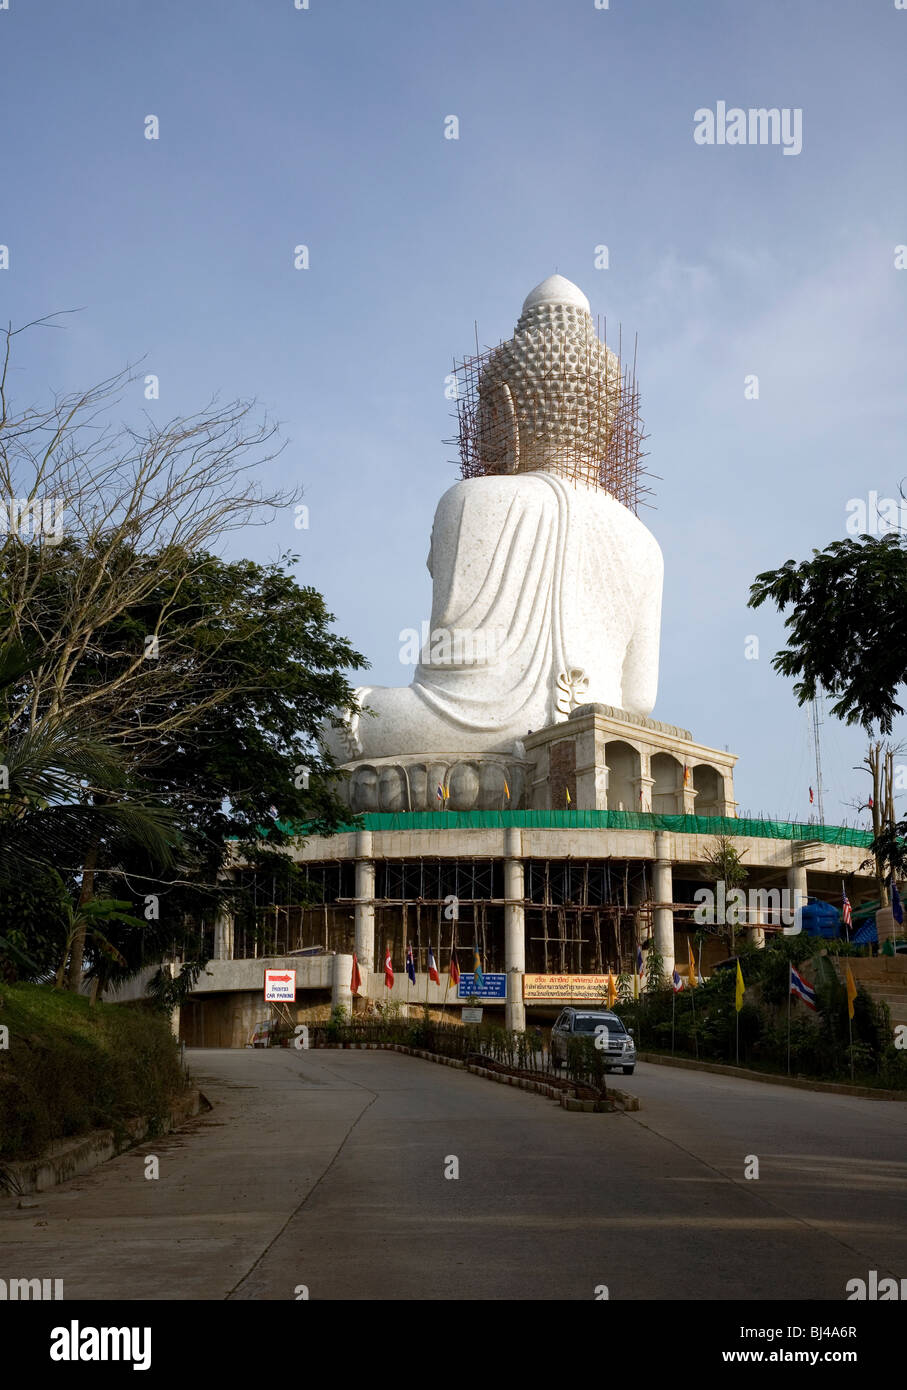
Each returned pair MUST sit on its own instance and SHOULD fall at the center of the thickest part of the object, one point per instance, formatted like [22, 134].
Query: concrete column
[341, 974]
[755, 932]
[591, 787]
[365, 908]
[663, 892]
[602, 782]
[223, 935]
[643, 786]
[514, 930]
[796, 884]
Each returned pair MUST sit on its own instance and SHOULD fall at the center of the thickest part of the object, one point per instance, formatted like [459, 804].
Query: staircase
[884, 977]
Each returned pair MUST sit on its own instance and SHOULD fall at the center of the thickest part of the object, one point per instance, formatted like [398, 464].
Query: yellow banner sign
[564, 989]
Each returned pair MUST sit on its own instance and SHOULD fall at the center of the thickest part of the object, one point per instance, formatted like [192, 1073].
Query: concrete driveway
[327, 1170]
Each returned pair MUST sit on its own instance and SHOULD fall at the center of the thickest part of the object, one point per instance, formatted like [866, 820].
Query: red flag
[388, 971]
[355, 978]
[811, 796]
[454, 970]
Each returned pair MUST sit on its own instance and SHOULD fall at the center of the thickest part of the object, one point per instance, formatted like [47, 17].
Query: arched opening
[667, 788]
[709, 787]
[623, 769]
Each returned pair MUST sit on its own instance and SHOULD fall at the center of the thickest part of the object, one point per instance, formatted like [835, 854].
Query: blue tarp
[866, 933]
[821, 919]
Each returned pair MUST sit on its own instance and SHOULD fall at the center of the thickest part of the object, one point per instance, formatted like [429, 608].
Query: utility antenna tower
[817, 724]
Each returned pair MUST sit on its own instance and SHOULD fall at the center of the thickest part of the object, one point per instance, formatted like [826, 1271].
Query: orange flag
[693, 978]
[355, 978]
[612, 991]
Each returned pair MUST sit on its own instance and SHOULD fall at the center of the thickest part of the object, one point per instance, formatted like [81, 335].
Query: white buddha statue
[546, 588]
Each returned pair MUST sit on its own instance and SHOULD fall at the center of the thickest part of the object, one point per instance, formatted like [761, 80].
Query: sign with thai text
[565, 989]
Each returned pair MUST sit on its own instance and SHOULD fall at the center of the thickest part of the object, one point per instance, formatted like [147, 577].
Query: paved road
[327, 1169]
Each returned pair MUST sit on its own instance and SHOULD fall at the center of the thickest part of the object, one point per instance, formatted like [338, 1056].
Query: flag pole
[789, 982]
[737, 1012]
[673, 1009]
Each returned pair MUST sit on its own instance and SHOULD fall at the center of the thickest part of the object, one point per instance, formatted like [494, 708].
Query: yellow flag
[738, 996]
[506, 789]
[612, 990]
[635, 985]
[693, 980]
[851, 992]
[567, 794]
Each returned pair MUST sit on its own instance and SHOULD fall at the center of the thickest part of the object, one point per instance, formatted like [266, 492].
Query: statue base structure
[598, 758]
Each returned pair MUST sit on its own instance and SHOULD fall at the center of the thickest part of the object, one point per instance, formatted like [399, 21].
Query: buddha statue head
[548, 398]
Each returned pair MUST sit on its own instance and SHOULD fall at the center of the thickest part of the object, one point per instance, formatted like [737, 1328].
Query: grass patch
[70, 1067]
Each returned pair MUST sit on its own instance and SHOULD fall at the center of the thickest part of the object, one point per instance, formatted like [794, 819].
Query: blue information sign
[493, 987]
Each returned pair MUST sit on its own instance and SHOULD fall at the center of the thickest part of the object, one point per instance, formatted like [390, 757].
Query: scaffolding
[574, 411]
[582, 916]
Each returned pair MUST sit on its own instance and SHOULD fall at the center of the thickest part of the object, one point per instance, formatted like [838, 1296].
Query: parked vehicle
[619, 1049]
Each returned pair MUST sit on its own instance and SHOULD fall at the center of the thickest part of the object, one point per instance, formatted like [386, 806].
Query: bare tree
[102, 513]
[879, 762]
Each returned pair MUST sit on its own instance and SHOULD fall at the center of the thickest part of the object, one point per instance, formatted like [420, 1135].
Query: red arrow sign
[284, 979]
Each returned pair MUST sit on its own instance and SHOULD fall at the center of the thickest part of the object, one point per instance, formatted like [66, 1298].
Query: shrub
[71, 1067]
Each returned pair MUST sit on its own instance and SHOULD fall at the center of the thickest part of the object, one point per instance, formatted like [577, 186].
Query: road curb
[622, 1101]
[800, 1083]
[70, 1158]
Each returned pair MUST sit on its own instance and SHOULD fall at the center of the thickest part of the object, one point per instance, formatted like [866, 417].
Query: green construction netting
[609, 820]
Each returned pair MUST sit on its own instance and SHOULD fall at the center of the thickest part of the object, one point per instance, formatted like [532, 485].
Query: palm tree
[83, 922]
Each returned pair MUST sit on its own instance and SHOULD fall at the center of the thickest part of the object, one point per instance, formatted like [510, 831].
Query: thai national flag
[410, 964]
[845, 909]
[802, 989]
[640, 966]
[440, 792]
[676, 982]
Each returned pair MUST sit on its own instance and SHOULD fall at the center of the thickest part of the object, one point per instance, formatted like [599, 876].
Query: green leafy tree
[67, 799]
[239, 770]
[726, 863]
[849, 600]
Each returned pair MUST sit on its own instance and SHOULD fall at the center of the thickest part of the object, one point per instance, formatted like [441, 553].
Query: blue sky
[325, 127]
